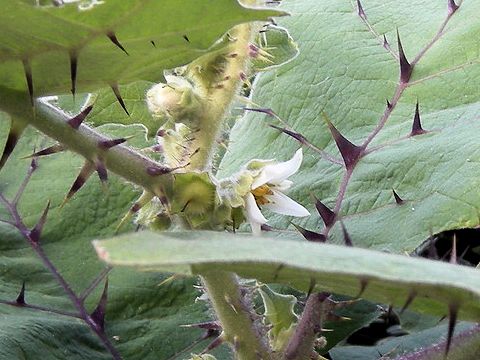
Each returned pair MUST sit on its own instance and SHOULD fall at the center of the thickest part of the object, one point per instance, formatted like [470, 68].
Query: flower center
[260, 193]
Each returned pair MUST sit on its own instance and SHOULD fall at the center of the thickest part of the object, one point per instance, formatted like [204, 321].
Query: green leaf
[388, 278]
[143, 315]
[344, 71]
[157, 35]
[413, 346]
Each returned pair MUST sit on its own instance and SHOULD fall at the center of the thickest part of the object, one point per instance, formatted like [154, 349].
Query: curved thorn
[98, 315]
[327, 215]
[20, 300]
[113, 38]
[77, 120]
[16, 130]
[360, 10]
[346, 236]
[107, 144]
[73, 70]
[408, 302]
[299, 137]
[398, 199]
[27, 68]
[310, 235]
[37, 230]
[81, 179]
[452, 319]
[405, 67]
[101, 171]
[417, 125]
[452, 6]
[363, 286]
[47, 151]
[116, 91]
[349, 151]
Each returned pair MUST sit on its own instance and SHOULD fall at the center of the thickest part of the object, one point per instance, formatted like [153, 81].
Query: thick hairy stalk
[236, 316]
[220, 96]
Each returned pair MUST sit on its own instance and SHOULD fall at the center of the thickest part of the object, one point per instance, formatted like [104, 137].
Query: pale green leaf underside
[344, 70]
[334, 268]
[46, 35]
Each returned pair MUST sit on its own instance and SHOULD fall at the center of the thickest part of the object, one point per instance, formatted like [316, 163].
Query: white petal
[282, 204]
[276, 173]
[254, 215]
[283, 186]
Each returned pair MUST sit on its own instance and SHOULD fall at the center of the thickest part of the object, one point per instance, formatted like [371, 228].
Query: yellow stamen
[260, 192]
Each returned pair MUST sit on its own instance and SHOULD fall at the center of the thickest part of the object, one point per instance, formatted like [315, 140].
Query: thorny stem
[236, 316]
[296, 346]
[301, 343]
[37, 248]
[399, 90]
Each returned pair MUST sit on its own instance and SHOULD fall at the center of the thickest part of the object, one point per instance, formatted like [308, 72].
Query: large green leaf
[156, 34]
[388, 278]
[143, 317]
[344, 71]
[412, 346]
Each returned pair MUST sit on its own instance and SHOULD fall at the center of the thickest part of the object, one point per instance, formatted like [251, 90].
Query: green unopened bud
[175, 101]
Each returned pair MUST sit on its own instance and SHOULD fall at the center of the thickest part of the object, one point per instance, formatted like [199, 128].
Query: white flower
[266, 191]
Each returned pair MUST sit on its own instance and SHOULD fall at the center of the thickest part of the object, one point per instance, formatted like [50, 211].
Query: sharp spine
[116, 91]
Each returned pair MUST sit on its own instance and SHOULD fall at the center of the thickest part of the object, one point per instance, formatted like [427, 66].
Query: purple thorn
[452, 319]
[214, 344]
[76, 121]
[360, 11]
[310, 235]
[398, 199]
[107, 144]
[113, 38]
[158, 170]
[27, 68]
[313, 283]
[37, 229]
[116, 91]
[81, 179]
[73, 70]
[452, 7]
[405, 67]
[12, 140]
[417, 125]
[208, 325]
[327, 215]
[299, 137]
[98, 315]
[346, 236]
[386, 45]
[33, 165]
[101, 170]
[411, 296]
[20, 300]
[269, 112]
[349, 151]
[49, 150]
[363, 286]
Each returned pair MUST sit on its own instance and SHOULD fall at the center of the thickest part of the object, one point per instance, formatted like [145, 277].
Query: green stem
[236, 316]
[220, 95]
[120, 159]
